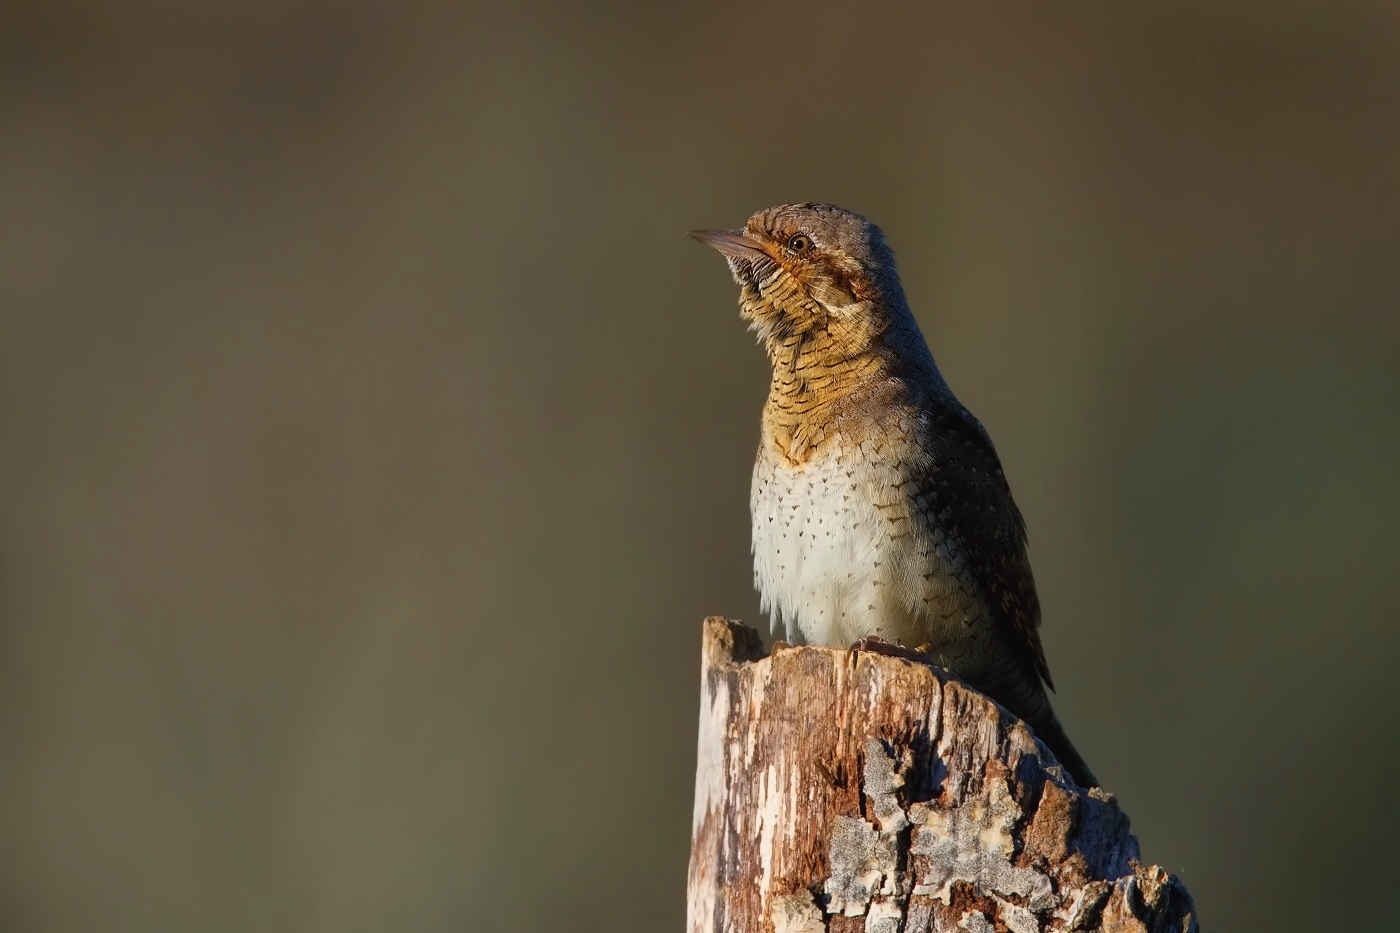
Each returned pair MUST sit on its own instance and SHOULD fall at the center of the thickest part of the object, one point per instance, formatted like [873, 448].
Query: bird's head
[805, 269]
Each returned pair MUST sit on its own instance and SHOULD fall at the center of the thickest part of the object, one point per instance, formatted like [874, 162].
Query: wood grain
[866, 790]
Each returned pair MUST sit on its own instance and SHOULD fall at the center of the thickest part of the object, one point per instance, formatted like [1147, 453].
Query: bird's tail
[1053, 735]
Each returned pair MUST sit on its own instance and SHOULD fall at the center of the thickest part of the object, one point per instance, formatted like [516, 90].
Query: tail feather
[1053, 735]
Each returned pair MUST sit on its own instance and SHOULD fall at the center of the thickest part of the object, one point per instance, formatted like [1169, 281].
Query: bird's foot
[874, 644]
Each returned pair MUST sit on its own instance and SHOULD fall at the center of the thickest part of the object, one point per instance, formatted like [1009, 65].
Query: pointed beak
[732, 243]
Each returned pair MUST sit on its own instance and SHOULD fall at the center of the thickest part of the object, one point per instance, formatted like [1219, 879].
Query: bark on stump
[844, 791]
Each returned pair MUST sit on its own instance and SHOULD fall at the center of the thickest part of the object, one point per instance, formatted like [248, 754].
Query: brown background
[374, 439]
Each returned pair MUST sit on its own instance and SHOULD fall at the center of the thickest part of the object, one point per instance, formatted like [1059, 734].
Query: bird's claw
[874, 644]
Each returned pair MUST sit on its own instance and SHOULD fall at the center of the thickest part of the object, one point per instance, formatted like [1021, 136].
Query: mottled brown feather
[985, 520]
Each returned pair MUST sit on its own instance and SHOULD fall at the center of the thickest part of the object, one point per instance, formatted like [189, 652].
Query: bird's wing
[975, 506]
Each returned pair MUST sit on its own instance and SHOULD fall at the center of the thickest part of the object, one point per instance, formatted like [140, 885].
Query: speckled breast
[844, 548]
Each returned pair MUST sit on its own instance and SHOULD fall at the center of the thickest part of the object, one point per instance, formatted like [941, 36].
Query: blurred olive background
[374, 439]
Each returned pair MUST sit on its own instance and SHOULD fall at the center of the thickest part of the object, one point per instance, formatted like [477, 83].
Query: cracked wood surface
[840, 791]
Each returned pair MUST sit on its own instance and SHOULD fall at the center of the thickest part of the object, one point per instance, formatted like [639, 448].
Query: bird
[879, 507]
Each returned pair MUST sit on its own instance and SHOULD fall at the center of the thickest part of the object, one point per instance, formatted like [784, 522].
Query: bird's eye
[799, 243]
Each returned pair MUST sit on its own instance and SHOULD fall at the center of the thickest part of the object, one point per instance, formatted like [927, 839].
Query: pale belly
[842, 550]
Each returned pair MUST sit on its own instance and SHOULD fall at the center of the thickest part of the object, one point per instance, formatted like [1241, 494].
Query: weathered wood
[840, 791]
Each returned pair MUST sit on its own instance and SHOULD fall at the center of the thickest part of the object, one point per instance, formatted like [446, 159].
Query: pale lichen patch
[882, 781]
[974, 921]
[886, 915]
[974, 843]
[1016, 918]
[863, 864]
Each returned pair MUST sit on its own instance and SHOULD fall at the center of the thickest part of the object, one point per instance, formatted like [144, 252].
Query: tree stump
[841, 791]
